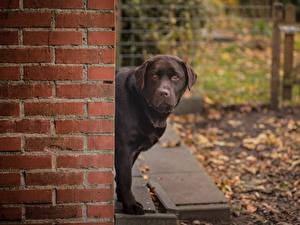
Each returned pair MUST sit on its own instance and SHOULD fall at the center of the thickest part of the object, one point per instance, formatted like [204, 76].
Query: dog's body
[145, 97]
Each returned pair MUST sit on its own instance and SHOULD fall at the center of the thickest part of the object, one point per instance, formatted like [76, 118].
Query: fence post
[275, 79]
[290, 19]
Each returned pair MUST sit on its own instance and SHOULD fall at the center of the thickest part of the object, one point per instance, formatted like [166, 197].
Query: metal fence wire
[149, 29]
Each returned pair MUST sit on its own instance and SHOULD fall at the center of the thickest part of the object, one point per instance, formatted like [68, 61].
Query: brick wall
[56, 111]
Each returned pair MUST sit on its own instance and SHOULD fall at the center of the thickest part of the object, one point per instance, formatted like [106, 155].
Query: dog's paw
[134, 209]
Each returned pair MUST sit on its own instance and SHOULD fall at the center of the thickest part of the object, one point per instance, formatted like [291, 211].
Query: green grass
[233, 74]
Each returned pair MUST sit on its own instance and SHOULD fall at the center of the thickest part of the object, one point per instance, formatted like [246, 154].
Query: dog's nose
[164, 93]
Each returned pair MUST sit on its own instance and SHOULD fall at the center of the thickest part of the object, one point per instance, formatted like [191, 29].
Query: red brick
[25, 162]
[54, 178]
[85, 161]
[53, 212]
[24, 126]
[78, 56]
[101, 108]
[21, 91]
[53, 109]
[25, 196]
[9, 109]
[9, 4]
[101, 143]
[101, 38]
[52, 38]
[10, 144]
[101, 73]
[84, 90]
[10, 213]
[53, 73]
[64, 143]
[100, 211]
[83, 126]
[25, 55]
[54, 4]
[9, 38]
[9, 73]
[25, 19]
[84, 195]
[85, 20]
[101, 4]
[100, 177]
[108, 55]
[10, 179]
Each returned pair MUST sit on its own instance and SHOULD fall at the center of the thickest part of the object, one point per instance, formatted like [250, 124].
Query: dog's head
[162, 80]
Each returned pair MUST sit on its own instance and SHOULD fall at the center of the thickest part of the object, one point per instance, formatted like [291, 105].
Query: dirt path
[253, 155]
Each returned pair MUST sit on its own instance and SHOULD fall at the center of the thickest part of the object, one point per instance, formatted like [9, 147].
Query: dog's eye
[155, 77]
[175, 78]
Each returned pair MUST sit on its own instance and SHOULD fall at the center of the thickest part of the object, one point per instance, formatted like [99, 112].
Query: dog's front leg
[123, 167]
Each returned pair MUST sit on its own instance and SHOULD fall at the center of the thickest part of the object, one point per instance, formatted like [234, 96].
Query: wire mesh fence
[148, 29]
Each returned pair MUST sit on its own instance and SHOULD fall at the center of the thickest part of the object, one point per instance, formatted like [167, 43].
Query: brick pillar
[56, 111]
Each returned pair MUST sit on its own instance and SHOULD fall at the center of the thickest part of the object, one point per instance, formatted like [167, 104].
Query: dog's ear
[140, 73]
[191, 75]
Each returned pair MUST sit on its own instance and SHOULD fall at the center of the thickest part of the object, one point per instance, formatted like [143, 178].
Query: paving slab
[142, 195]
[147, 219]
[181, 184]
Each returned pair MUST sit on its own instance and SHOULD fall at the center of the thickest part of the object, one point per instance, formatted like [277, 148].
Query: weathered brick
[9, 4]
[54, 178]
[84, 195]
[78, 56]
[10, 144]
[9, 179]
[101, 73]
[56, 4]
[100, 177]
[53, 212]
[9, 73]
[101, 143]
[9, 109]
[25, 162]
[25, 196]
[108, 55]
[25, 126]
[10, 213]
[85, 20]
[53, 73]
[85, 161]
[84, 90]
[25, 55]
[9, 38]
[21, 91]
[100, 211]
[25, 19]
[101, 38]
[53, 109]
[64, 143]
[98, 4]
[52, 37]
[83, 126]
[101, 108]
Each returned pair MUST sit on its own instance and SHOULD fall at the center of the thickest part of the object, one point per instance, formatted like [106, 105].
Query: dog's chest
[146, 141]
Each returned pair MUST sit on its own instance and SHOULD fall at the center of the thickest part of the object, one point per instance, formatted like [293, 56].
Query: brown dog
[145, 97]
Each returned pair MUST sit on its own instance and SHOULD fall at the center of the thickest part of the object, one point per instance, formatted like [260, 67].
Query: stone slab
[189, 105]
[182, 185]
[147, 219]
[189, 188]
[142, 195]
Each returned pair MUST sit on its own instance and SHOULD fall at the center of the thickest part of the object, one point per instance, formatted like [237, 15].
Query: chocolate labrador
[145, 97]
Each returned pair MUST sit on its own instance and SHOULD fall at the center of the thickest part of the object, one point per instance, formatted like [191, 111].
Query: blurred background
[227, 42]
